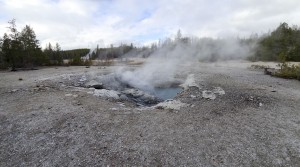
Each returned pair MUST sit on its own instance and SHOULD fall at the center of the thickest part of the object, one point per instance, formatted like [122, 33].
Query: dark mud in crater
[142, 96]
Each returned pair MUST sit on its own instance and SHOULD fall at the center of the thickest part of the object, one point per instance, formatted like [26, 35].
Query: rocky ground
[47, 119]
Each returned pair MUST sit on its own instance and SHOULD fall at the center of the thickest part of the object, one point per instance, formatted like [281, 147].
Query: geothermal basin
[114, 86]
[53, 118]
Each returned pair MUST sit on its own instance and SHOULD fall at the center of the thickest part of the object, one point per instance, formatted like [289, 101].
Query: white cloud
[77, 23]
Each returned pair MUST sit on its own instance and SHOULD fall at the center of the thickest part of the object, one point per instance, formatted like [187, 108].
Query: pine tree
[178, 36]
[48, 52]
[58, 55]
[12, 46]
[30, 45]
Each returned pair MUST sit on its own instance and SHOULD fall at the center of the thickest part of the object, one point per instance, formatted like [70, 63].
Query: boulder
[149, 99]
[208, 95]
[270, 71]
[107, 93]
[218, 90]
[141, 97]
[172, 104]
[133, 92]
[83, 78]
[94, 84]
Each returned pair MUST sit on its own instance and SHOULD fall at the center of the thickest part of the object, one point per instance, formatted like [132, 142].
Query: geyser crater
[142, 95]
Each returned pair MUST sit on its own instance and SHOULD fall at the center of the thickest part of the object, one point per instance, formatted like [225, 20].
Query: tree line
[122, 51]
[19, 49]
[22, 49]
[282, 44]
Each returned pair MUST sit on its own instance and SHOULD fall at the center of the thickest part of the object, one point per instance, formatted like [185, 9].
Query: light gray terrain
[47, 121]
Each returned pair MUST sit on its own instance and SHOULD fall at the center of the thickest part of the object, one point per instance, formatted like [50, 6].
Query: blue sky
[86, 23]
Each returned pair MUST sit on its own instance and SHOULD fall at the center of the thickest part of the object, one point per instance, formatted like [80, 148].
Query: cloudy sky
[85, 23]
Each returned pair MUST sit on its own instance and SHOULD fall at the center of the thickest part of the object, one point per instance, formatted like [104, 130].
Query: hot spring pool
[166, 93]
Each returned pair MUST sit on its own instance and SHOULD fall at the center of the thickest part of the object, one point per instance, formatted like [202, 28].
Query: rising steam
[160, 68]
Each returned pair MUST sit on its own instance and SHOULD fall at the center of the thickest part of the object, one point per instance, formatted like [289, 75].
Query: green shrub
[77, 61]
[103, 62]
[255, 66]
[288, 71]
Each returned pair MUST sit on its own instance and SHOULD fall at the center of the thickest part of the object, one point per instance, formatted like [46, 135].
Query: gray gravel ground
[256, 123]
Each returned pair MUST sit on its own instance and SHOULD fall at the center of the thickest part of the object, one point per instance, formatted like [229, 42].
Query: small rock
[90, 92]
[83, 78]
[94, 84]
[134, 92]
[107, 93]
[149, 99]
[218, 90]
[159, 107]
[270, 71]
[173, 105]
[123, 97]
[260, 104]
[208, 95]
[193, 96]
[14, 90]
[75, 96]
[67, 76]
[122, 104]
[36, 89]
[68, 95]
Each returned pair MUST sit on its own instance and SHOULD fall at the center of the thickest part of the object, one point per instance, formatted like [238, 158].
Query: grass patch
[255, 66]
[288, 71]
[77, 61]
[103, 62]
[135, 63]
